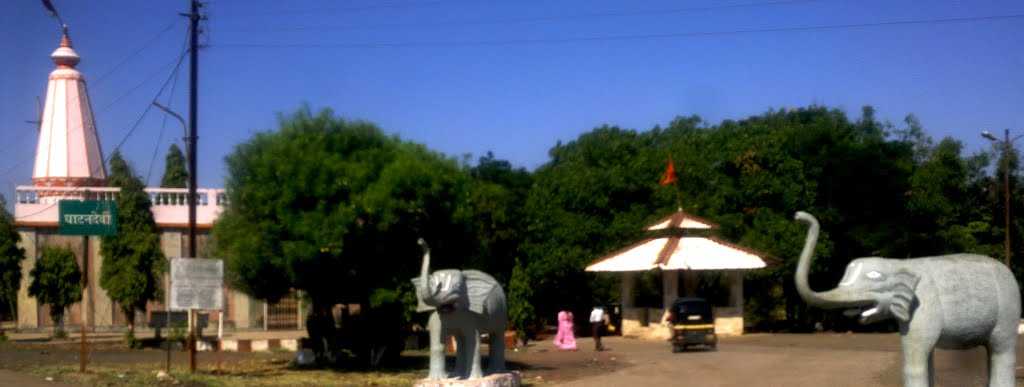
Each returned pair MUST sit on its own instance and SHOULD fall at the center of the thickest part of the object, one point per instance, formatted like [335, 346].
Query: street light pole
[1006, 191]
[173, 114]
[1007, 144]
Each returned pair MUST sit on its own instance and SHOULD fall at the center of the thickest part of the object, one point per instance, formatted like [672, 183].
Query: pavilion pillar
[628, 284]
[736, 289]
[690, 281]
[669, 287]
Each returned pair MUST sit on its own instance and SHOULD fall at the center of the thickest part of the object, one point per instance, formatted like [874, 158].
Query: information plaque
[197, 283]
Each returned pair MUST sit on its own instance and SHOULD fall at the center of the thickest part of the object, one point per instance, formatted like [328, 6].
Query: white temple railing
[170, 205]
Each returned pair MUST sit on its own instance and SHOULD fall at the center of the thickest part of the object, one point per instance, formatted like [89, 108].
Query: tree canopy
[175, 170]
[333, 208]
[11, 256]
[56, 281]
[877, 188]
[133, 263]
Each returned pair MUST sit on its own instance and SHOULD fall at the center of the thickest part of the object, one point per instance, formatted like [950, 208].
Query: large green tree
[497, 221]
[56, 282]
[133, 263]
[593, 197]
[878, 189]
[11, 256]
[175, 170]
[333, 208]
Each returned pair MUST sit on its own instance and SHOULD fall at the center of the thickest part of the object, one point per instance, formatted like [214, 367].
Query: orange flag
[670, 174]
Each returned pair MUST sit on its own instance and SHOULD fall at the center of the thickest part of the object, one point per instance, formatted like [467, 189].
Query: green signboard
[87, 217]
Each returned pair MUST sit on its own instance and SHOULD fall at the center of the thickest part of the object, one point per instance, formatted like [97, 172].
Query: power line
[540, 19]
[148, 78]
[13, 167]
[163, 122]
[374, 7]
[134, 53]
[149, 106]
[619, 37]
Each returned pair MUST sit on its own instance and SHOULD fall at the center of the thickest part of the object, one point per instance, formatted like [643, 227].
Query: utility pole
[1007, 148]
[194, 18]
[193, 98]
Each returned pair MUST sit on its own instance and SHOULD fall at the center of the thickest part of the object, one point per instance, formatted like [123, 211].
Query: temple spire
[68, 153]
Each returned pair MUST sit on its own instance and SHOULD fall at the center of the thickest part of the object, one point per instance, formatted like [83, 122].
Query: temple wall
[102, 306]
[241, 312]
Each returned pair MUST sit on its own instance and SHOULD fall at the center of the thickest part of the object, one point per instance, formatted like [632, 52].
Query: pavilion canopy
[680, 219]
[679, 253]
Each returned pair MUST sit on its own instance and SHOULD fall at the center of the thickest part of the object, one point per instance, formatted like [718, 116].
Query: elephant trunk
[836, 298]
[424, 289]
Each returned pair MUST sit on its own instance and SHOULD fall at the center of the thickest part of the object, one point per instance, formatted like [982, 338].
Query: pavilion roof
[681, 252]
[680, 219]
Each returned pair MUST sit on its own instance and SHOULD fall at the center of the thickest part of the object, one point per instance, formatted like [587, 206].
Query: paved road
[783, 360]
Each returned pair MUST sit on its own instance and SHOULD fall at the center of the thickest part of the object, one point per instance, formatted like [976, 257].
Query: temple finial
[65, 55]
[65, 38]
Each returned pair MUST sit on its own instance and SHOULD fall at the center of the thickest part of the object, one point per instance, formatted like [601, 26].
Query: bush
[56, 281]
[521, 314]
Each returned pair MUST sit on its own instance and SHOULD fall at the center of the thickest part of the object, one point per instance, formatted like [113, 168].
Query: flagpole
[53, 13]
[670, 178]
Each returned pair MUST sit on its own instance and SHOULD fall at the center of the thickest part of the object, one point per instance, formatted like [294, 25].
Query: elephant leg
[917, 354]
[473, 339]
[436, 347]
[497, 354]
[1002, 361]
[931, 368]
[461, 356]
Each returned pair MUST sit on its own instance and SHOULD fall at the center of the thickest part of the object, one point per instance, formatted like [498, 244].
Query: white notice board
[197, 283]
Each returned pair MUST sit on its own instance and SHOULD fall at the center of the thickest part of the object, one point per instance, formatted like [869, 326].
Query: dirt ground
[752, 360]
[786, 360]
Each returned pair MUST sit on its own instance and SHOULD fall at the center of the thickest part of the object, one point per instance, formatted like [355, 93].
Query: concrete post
[669, 287]
[736, 290]
[298, 307]
[628, 284]
[690, 281]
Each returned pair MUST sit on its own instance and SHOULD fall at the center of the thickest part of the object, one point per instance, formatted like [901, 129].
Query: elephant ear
[420, 306]
[479, 286]
[903, 295]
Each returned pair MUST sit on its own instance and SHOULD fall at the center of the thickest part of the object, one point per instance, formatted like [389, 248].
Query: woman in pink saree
[564, 339]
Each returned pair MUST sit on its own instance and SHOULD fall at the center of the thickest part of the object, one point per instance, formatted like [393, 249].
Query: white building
[69, 164]
[680, 248]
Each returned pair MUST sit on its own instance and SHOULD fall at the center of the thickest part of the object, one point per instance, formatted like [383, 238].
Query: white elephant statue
[956, 301]
[466, 304]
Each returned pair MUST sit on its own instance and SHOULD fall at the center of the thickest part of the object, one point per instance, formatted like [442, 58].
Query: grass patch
[242, 373]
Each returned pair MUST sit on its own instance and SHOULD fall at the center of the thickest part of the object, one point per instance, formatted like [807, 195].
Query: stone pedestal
[508, 379]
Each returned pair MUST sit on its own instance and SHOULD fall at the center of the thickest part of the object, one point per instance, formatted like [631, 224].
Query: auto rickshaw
[693, 324]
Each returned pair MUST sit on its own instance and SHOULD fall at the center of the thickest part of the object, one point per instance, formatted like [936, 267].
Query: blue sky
[514, 77]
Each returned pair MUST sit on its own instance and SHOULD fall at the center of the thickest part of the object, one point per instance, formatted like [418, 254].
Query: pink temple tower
[68, 153]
